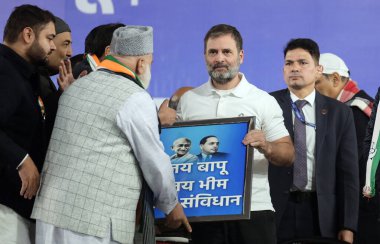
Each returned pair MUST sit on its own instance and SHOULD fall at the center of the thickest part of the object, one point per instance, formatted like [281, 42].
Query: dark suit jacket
[218, 156]
[336, 167]
[21, 126]
[50, 96]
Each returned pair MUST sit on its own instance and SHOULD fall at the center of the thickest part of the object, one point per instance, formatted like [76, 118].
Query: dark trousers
[300, 218]
[369, 221]
[259, 229]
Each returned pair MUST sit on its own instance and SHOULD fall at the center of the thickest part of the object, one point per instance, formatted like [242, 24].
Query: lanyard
[300, 116]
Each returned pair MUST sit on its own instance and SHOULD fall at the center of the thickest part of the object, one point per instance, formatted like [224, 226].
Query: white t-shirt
[205, 102]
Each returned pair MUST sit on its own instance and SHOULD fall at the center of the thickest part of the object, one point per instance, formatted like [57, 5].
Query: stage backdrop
[348, 28]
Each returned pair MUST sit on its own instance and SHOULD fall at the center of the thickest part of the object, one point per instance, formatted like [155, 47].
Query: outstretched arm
[138, 120]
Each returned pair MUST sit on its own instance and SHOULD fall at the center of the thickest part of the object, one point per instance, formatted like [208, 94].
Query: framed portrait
[212, 167]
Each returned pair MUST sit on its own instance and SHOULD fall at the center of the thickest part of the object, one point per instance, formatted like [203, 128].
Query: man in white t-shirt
[228, 94]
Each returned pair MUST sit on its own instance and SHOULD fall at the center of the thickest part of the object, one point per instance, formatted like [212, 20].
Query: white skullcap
[132, 41]
[332, 63]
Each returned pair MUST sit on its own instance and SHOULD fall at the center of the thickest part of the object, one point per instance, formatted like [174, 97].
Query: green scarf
[373, 159]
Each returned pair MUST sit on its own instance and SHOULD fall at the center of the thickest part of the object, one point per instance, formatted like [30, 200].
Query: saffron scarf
[348, 92]
[373, 159]
[111, 63]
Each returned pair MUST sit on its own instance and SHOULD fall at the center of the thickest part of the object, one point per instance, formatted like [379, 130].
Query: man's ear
[336, 79]
[241, 55]
[27, 35]
[319, 69]
[107, 50]
[319, 72]
[141, 66]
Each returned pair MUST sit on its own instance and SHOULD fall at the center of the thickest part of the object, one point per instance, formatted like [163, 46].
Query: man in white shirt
[228, 94]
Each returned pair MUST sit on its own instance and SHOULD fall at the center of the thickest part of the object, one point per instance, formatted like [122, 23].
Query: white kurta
[14, 228]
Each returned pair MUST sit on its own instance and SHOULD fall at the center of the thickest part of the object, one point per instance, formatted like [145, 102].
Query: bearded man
[105, 142]
[228, 94]
[28, 40]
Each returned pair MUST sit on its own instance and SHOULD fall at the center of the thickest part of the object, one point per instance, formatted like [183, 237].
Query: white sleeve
[273, 124]
[179, 109]
[18, 166]
[137, 118]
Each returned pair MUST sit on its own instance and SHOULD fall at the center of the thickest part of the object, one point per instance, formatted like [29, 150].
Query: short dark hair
[221, 30]
[306, 44]
[204, 139]
[102, 38]
[88, 41]
[26, 16]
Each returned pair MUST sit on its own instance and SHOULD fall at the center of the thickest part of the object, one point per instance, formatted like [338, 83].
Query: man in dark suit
[28, 41]
[209, 150]
[337, 83]
[318, 195]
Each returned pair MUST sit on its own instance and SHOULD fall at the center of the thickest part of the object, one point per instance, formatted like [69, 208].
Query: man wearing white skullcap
[105, 143]
[335, 82]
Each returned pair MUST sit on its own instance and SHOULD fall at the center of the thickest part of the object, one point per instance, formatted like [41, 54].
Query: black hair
[26, 16]
[102, 38]
[306, 44]
[221, 30]
[204, 139]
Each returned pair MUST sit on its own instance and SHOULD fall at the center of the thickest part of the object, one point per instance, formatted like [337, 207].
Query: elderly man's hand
[177, 217]
[167, 115]
[30, 178]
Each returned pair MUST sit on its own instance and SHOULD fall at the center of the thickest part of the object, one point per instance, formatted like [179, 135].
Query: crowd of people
[83, 163]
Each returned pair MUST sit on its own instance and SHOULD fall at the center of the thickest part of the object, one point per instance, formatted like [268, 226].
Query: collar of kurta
[112, 64]
[93, 60]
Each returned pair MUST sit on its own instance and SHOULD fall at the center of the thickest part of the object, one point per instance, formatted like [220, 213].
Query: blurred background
[348, 28]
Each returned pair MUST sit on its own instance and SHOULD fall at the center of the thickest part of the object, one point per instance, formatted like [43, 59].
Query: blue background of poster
[230, 137]
[348, 28]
